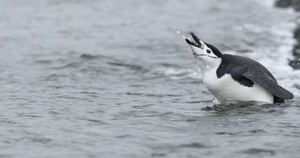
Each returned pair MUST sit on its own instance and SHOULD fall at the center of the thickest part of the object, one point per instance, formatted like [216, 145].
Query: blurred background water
[108, 78]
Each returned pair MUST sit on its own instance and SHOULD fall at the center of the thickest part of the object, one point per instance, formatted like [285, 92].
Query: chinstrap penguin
[235, 78]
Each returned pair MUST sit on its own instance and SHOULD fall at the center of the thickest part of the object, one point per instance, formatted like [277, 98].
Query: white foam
[182, 36]
[277, 59]
[265, 3]
[249, 27]
[179, 73]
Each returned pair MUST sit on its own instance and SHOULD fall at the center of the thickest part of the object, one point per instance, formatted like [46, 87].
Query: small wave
[54, 77]
[265, 3]
[88, 56]
[178, 73]
[153, 95]
[246, 108]
[241, 132]
[261, 152]
[230, 106]
[130, 66]
[193, 145]
[69, 65]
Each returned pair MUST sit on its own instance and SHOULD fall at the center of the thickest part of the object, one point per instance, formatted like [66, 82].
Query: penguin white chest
[226, 88]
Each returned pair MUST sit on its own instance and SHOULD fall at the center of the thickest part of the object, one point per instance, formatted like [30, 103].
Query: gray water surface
[108, 78]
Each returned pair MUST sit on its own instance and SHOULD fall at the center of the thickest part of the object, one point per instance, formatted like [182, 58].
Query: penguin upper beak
[198, 43]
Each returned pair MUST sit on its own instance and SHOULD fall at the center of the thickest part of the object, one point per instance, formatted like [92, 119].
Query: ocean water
[108, 78]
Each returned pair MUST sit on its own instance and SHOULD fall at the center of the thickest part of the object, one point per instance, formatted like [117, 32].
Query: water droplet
[196, 72]
[179, 33]
[215, 101]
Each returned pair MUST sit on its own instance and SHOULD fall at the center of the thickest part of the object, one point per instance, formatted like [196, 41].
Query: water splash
[215, 101]
[183, 36]
[196, 72]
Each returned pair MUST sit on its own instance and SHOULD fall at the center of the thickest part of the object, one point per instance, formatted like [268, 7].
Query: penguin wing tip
[287, 95]
[290, 96]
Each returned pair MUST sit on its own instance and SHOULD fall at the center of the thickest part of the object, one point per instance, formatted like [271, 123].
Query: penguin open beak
[198, 43]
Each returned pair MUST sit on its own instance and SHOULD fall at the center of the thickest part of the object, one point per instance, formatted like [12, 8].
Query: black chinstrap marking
[204, 55]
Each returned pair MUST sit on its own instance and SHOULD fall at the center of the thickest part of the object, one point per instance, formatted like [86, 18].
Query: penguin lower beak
[198, 43]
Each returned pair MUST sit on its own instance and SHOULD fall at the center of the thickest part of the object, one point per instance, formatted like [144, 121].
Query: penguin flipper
[260, 77]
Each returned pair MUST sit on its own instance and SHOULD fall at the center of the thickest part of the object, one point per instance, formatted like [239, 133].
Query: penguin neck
[210, 65]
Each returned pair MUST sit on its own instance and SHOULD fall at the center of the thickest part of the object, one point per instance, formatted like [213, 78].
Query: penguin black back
[243, 70]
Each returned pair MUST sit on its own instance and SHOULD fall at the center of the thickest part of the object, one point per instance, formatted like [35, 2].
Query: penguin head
[207, 54]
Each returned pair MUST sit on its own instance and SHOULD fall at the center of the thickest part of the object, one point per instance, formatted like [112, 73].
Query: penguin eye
[208, 51]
